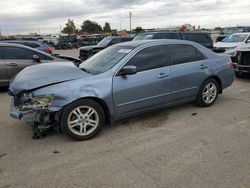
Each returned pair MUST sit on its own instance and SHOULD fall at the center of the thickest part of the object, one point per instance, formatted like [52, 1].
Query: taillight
[48, 50]
[231, 64]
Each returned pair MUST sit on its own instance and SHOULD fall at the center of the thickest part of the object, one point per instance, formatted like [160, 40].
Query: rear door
[146, 89]
[189, 69]
[3, 71]
[17, 58]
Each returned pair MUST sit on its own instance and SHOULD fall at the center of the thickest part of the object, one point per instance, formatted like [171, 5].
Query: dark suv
[242, 64]
[202, 38]
[87, 51]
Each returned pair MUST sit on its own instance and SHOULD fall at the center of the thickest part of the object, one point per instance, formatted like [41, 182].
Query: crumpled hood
[226, 44]
[45, 74]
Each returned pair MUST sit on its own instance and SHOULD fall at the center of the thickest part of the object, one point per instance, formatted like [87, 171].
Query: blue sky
[46, 16]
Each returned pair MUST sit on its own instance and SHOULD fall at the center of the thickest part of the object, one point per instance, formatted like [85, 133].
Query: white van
[232, 43]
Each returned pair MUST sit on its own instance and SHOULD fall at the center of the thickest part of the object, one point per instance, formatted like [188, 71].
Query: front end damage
[36, 111]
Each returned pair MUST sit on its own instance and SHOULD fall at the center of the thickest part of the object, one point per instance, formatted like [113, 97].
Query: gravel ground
[184, 146]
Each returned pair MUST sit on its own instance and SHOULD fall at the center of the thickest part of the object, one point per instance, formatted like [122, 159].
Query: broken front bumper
[31, 116]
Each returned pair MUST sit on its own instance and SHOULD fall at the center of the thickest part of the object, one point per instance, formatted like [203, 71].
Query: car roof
[22, 46]
[138, 43]
[114, 37]
[35, 41]
[243, 33]
[154, 32]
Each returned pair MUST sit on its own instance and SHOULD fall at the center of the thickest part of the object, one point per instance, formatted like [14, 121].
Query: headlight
[39, 102]
[44, 100]
[230, 48]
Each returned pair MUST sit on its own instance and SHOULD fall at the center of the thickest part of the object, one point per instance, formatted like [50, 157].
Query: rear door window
[184, 53]
[150, 58]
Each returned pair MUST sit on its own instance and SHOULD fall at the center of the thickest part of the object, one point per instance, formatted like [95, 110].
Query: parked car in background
[233, 43]
[37, 44]
[121, 81]
[220, 38]
[202, 38]
[242, 63]
[14, 58]
[88, 51]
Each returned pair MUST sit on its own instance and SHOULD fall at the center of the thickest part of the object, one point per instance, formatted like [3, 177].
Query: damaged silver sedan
[120, 81]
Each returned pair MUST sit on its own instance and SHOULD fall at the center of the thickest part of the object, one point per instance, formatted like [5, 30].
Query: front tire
[208, 93]
[82, 119]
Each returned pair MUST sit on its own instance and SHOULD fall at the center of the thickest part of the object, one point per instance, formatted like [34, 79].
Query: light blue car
[121, 81]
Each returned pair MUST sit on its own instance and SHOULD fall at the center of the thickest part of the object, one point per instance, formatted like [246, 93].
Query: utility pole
[130, 18]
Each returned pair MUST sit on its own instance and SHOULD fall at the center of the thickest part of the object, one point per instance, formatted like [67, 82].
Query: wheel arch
[103, 104]
[218, 80]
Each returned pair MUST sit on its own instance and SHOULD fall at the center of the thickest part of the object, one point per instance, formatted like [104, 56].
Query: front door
[146, 89]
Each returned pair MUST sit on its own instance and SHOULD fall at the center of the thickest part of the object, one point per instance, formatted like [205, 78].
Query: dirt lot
[184, 146]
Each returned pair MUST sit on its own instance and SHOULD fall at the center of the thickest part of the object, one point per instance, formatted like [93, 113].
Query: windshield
[143, 37]
[105, 60]
[235, 38]
[104, 42]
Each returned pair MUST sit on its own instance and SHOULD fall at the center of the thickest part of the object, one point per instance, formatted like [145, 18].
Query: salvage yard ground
[184, 146]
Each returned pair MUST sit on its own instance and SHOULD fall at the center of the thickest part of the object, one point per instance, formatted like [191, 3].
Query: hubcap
[209, 93]
[83, 120]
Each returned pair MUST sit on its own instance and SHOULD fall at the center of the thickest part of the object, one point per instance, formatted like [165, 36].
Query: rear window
[166, 36]
[143, 37]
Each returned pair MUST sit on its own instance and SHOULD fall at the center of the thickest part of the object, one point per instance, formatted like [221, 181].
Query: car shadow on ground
[244, 77]
[3, 89]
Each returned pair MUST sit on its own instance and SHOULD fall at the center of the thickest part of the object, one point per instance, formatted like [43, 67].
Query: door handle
[163, 75]
[12, 64]
[203, 66]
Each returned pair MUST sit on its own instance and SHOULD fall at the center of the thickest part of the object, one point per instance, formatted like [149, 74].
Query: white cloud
[23, 16]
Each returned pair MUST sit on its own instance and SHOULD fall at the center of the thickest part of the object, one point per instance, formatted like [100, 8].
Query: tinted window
[150, 58]
[196, 37]
[21, 53]
[166, 36]
[144, 36]
[115, 41]
[31, 44]
[181, 53]
[126, 39]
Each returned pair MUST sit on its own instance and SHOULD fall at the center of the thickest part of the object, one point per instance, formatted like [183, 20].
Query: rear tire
[82, 119]
[208, 93]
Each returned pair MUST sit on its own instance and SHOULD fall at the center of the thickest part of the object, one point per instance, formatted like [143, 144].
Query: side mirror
[128, 70]
[36, 58]
[248, 41]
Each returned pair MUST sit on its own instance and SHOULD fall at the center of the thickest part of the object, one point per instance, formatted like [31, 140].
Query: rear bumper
[242, 68]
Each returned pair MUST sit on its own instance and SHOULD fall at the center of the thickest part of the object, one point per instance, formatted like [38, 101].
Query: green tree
[69, 27]
[138, 29]
[106, 27]
[91, 27]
